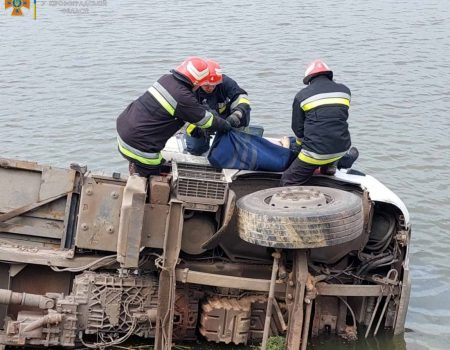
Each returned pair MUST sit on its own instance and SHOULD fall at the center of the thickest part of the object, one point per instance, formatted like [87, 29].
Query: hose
[91, 265]
[111, 343]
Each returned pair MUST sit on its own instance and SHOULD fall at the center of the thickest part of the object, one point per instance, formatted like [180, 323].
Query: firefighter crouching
[148, 122]
[319, 121]
[224, 97]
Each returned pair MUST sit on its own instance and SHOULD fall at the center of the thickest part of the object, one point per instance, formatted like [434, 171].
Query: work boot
[348, 159]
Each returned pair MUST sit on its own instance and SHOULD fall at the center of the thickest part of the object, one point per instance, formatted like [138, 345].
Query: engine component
[197, 230]
[111, 304]
[226, 320]
[186, 312]
[27, 299]
[232, 320]
[56, 327]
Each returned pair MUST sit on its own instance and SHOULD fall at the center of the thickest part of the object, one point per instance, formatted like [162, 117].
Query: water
[65, 78]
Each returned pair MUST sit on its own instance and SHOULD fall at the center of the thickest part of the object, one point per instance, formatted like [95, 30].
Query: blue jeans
[197, 146]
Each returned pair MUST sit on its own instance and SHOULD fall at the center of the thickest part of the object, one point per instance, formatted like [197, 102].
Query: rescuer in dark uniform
[319, 121]
[223, 96]
[147, 123]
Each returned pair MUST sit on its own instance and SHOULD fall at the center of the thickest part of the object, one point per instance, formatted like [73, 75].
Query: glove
[235, 119]
[222, 125]
[198, 133]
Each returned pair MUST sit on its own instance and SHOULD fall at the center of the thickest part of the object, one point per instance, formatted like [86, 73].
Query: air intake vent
[197, 183]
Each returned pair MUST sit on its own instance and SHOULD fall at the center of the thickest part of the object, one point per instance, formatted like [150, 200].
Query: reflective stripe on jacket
[149, 121]
[134, 154]
[319, 120]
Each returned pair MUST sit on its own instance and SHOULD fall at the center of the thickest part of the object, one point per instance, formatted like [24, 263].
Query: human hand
[235, 119]
[223, 125]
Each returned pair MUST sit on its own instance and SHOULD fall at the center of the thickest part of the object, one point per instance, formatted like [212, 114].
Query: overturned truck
[226, 256]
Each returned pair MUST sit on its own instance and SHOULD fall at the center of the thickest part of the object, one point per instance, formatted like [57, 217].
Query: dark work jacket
[322, 129]
[225, 99]
[146, 125]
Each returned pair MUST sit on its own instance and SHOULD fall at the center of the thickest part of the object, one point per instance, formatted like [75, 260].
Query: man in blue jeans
[224, 98]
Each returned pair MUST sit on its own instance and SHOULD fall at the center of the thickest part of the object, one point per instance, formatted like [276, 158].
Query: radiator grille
[199, 183]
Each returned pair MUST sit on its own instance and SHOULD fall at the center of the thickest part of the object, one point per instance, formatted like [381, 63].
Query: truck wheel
[300, 217]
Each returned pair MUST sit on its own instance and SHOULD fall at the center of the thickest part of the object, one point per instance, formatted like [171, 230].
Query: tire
[300, 217]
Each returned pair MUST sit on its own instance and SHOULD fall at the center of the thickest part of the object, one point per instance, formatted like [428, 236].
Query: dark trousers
[300, 172]
[135, 168]
[197, 146]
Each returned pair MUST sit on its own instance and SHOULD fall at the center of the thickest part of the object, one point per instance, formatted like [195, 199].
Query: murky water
[66, 76]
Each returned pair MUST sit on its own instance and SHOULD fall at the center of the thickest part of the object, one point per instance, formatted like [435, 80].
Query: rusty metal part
[110, 303]
[15, 252]
[351, 290]
[276, 259]
[311, 294]
[369, 326]
[349, 333]
[227, 319]
[159, 189]
[99, 215]
[55, 328]
[295, 324]
[8, 297]
[404, 300]
[391, 279]
[306, 325]
[186, 312]
[53, 318]
[227, 268]
[167, 280]
[389, 282]
[210, 279]
[131, 222]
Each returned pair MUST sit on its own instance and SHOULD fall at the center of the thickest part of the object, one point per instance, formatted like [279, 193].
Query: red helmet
[215, 72]
[195, 69]
[315, 68]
